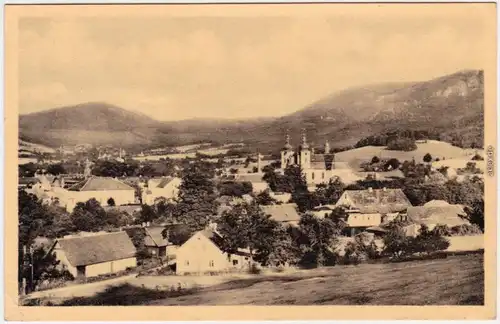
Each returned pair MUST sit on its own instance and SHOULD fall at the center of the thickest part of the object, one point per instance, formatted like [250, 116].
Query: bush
[392, 164]
[465, 229]
[427, 158]
[375, 159]
[362, 249]
[477, 157]
[402, 144]
[428, 242]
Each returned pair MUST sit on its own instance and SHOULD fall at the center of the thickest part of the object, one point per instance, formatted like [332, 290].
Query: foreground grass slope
[456, 280]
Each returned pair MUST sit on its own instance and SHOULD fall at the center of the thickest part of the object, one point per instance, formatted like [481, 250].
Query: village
[89, 215]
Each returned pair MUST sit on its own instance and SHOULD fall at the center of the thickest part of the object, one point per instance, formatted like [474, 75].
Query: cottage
[156, 244]
[166, 187]
[258, 185]
[285, 213]
[372, 207]
[203, 253]
[94, 255]
[433, 213]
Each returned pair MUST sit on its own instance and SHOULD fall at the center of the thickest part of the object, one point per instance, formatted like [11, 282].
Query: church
[317, 168]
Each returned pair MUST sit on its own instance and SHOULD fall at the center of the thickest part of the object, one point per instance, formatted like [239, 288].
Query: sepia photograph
[250, 155]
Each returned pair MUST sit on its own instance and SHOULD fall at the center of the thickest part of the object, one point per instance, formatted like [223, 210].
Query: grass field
[436, 148]
[456, 280]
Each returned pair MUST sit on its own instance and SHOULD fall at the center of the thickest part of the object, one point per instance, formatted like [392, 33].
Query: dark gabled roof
[282, 213]
[154, 237]
[100, 184]
[378, 200]
[92, 249]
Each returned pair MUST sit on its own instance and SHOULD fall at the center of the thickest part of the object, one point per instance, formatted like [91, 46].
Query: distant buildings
[286, 214]
[166, 187]
[94, 255]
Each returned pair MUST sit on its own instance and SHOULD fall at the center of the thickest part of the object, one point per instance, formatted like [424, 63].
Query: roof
[282, 213]
[86, 250]
[216, 239]
[250, 177]
[154, 237]
[322, 161]
[26, 181]
[100, 184]
[444, 215]
[378, 200]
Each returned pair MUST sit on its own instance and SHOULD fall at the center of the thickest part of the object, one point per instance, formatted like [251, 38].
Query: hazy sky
[185, 67]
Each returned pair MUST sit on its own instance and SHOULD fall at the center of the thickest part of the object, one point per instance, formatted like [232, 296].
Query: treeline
[454, 137]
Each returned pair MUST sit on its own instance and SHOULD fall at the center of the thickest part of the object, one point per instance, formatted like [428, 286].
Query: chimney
[384, 189]
[370, 189]
[143, 224]
[148, 224]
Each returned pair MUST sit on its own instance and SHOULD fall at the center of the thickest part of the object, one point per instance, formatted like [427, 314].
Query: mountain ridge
[451, 104]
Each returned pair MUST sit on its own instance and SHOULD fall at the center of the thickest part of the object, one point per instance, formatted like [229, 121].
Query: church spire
[288, 146]
[304, 145]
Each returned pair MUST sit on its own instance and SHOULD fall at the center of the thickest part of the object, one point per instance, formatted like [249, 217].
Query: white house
[372, 207]
[94, 255]
[203, 253]
[104, 190]
[167, 187]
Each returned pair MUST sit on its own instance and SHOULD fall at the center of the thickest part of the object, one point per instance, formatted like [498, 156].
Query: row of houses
[107, 191]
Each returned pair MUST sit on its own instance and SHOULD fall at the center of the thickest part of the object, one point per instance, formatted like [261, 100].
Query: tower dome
[304, 145]
[287, 146]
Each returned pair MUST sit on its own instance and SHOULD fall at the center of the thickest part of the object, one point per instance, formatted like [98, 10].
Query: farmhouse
[285, 213]
[94, 255]
[433, 213]
[372, 207]
[203, 253]
[104, 190]
[167, 187]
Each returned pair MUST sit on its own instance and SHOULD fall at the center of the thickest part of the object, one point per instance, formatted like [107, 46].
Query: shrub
[375, 159]
[477, 157]
[362, 249]
[465, 229]
[428, 242]
[427, 158]
[402, 144]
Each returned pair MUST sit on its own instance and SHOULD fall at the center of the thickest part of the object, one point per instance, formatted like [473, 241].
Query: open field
[455, 280]
[436, 148]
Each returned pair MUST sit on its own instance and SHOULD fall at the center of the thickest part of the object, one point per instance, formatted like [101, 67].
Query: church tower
[286, 153]
[305, 153]
[87, 172]
[327, 148]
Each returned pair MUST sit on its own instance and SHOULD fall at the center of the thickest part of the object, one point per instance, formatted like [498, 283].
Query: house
[166, 187]
[372, 207]
[156, 244]
[285, 213]
[203, 253]
[258, 185]
[433, 213]
[323, 210]
[107, 191]
[94, 255]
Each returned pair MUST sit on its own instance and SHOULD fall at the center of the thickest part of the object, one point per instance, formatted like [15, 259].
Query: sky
[210, 66]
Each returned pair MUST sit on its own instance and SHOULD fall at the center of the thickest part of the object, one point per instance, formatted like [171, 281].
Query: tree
[56, 169]
[319, 238]
[428, 242]
[197, 204]
[264, 198]
[246, 226]
[89, 216]
[396, 244]
[375, 160]
[475, 213]
[111, 202]
[402, 144]
[392, 164]
[235, 189]
[148, 214]
[34, 218]
[427, 158]
[329, 193]
[177, 234]
[38, 266]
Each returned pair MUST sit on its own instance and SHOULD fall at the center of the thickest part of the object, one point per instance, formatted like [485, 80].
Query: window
[235, 262]
[323, 175]
[313, 175]
[211, 263]
[187, 262]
